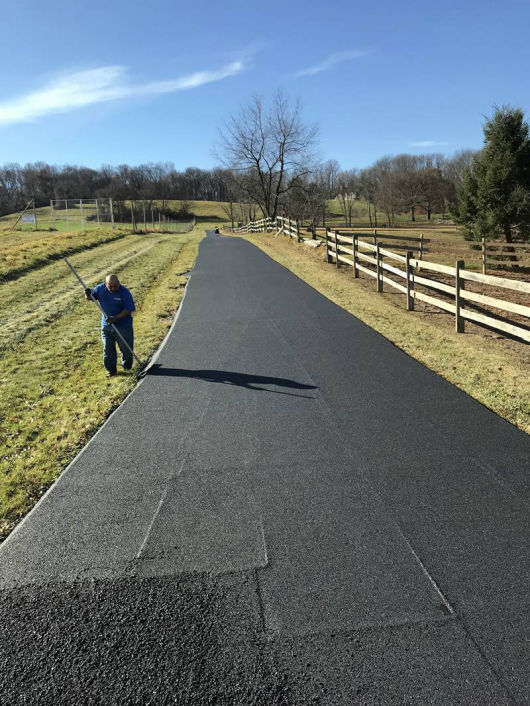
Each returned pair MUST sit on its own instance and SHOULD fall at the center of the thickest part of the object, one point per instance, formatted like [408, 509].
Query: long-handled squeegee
[114, 328]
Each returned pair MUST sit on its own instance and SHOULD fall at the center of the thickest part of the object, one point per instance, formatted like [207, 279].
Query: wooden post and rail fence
[372, 260]
[261, 226]
[507, 255]
[347, 247]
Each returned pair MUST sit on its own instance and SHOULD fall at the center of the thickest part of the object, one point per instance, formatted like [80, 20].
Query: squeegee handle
[75, 273]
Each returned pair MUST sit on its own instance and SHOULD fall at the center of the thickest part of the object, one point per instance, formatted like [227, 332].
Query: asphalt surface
[286, 510]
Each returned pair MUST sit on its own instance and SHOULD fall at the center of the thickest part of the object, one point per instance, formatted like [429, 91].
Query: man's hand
[112, 319]
[88, 293]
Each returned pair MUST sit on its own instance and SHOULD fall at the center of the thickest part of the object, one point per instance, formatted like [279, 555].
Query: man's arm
[113, 319]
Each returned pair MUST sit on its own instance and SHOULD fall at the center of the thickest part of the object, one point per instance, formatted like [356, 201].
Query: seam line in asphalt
[426, 572]
[155, 515]
[489, 663]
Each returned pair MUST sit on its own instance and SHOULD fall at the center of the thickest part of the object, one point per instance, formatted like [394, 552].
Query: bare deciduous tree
[347, 194]
[329, 172]
[268, 151]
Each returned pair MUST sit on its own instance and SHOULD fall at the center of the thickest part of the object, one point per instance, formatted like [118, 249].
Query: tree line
[392, 185]
[269, 158]
[269, 168]
[402, 184]
[268, 154]
[146, 182]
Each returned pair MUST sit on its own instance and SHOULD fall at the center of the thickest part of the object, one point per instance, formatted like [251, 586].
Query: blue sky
[131, 82]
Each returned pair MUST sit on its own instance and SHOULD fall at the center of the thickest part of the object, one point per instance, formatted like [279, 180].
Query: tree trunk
[413, 213]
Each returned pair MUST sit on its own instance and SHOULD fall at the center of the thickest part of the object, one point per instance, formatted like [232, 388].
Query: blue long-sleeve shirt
[113, 303]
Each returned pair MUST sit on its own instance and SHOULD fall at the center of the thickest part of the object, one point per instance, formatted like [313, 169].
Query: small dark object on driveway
[216, 230]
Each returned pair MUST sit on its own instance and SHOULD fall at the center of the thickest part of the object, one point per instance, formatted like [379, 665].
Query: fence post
[379, 271]
[97, 210]
[298, 239]
[328, 256]
[111, 213]
[53, 217]
[421, 246]
[410, 282]
[355, 243]
[82, 214]
[132, 218]
[483, 239]
[337, 265]
[459, 285]
[145, 221]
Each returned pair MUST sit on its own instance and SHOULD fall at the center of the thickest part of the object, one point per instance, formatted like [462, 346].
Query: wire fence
[86, 214]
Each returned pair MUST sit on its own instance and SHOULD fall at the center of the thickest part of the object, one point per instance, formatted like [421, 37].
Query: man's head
[112, 283]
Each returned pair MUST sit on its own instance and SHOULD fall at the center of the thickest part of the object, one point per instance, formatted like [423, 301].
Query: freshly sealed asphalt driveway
[286, 510]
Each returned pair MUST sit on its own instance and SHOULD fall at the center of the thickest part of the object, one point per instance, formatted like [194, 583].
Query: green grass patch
[53, 391]
[22, 252]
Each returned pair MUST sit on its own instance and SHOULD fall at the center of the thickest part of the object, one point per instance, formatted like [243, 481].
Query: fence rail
[286, 226]
[393, 242]
[371, 259]
[506, 254]
[264, 224]
[350, 247]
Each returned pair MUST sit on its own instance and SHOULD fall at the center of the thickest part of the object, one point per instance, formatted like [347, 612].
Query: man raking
[116, 304]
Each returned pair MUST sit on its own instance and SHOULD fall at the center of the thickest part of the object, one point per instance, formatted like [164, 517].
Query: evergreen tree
[494, 199]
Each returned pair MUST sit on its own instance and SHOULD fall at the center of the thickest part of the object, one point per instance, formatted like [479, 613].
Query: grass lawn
[361, 215]
[53, 391]
[489, 367]
[22, 252]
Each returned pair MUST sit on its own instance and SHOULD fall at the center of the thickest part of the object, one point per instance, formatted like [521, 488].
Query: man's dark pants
[110, 338]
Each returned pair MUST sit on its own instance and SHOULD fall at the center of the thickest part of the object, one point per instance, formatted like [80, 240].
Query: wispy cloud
[428, 143]
[104, 84]
[330, 62]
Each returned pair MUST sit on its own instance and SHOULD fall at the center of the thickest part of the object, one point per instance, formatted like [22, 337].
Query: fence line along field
[489, 365]
[53, 390]
[147, 215]
[447, 285]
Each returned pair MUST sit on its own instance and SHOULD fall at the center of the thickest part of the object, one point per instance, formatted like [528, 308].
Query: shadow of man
[225, 377]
